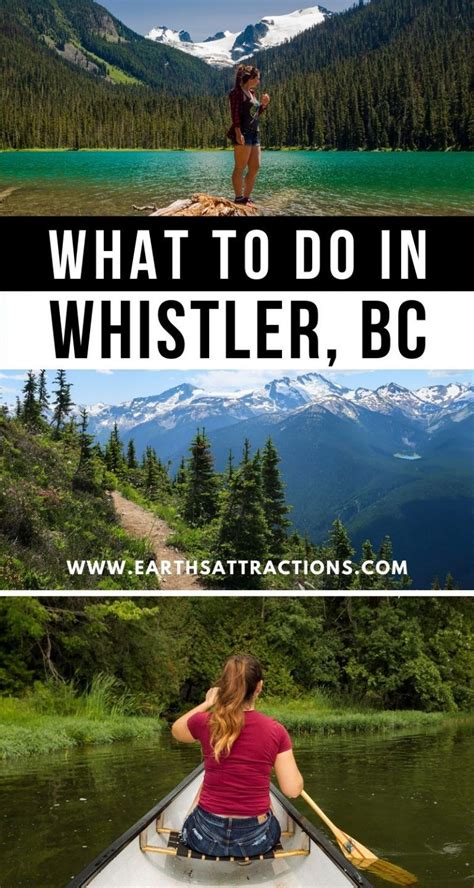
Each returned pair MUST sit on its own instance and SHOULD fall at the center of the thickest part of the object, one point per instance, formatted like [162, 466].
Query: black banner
[257, 253]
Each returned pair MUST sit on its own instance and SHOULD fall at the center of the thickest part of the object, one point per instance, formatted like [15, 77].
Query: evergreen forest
[389, 75]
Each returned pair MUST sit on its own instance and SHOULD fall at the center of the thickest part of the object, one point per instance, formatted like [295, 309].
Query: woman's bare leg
[254, 166]
[241, 159]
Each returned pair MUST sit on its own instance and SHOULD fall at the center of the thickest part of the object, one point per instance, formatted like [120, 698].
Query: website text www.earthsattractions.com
[237, 567]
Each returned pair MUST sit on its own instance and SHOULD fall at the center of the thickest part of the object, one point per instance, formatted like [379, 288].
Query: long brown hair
[237, 685]
[244, 73]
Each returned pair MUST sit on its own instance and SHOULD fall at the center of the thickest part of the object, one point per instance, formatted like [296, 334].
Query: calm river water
[408, 797]
[290, 183]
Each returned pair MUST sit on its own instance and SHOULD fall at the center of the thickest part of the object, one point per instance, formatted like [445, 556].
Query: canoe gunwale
[319, 839]
[102, 859]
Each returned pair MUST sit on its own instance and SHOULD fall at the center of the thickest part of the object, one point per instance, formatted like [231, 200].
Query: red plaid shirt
[237, 100]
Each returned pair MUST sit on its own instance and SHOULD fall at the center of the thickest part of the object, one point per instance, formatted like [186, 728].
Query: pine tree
[368, 554]
[230, 467]
[243, 532]
[31, 412]
[386, 550]
[201, 503]
[275, 506]
[43, 398]
[180, 480]
[114, 459]
[340, 550]
[85, 440]
[385, 553]
[157, 483]
[84, 478]
[131, 455]
[63, 403]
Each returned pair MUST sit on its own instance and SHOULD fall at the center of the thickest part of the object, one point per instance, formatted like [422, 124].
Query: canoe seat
[182, 850]
[176, 848]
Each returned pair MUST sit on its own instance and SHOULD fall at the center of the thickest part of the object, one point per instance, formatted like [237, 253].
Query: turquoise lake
[290, 182]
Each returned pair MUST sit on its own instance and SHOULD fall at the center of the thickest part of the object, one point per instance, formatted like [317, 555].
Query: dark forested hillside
[391, 74]
[87, 36]
[46, 102]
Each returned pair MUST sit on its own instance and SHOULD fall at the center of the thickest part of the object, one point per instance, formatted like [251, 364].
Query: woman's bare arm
[180, 730]
[289, 777]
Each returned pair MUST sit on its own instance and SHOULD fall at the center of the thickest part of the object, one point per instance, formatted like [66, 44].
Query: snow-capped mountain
[226, 48]
[133, 413]
[187, 406]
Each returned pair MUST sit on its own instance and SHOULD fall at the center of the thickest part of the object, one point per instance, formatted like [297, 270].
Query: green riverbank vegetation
[308, 715]
[53, 715]
[55, 507]
[78, 670]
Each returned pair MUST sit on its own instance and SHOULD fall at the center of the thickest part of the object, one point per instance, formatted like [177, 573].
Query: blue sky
[114, 387]
[204, 18]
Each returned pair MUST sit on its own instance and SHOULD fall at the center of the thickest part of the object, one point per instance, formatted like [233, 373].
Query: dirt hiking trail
[139, 522]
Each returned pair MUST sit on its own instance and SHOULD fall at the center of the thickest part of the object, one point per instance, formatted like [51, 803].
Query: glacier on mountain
[226, 48]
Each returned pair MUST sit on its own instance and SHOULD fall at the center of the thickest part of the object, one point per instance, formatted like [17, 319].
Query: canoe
[149, 854]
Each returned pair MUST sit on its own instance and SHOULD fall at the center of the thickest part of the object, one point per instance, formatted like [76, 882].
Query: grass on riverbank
[320, 715]
[55, 716]
[46, 734]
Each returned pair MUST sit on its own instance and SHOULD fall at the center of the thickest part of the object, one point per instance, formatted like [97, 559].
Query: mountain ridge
[427, 405]
[226, 48]
[86, 35]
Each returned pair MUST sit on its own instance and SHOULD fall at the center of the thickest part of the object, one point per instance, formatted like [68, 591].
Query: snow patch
[226, 47]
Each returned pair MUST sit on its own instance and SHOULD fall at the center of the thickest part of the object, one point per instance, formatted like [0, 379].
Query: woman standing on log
[232, 816]
[245, 110]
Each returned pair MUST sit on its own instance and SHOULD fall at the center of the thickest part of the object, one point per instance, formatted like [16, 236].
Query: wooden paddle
[359, 855]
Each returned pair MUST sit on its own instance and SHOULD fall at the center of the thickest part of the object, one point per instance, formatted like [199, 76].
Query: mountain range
[389, 460]
[187, 405]
[226, 48]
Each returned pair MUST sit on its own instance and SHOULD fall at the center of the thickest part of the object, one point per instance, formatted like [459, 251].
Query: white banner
[415, 330]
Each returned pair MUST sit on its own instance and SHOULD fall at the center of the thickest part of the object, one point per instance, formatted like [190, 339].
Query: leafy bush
[50, 512]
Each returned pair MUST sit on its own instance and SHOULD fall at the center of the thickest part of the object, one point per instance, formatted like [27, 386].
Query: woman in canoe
[232, 817]
[245, 111]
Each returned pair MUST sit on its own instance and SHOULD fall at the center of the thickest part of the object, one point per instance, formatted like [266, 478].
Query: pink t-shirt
[240, 782]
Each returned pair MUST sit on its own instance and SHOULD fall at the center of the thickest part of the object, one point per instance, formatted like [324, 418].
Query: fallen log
[6, 193]
[146, 207]
[206, 205]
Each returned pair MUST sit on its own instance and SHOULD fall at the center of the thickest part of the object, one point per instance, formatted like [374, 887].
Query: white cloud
[20, 377]
[459, 375]
[105, 372]
[234, 380]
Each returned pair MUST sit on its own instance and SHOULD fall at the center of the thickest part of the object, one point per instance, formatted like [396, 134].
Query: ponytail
[244, 73]
[237, 686]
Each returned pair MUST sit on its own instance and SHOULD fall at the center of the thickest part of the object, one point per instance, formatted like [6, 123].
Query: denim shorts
[218, 836]
[251, 138]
